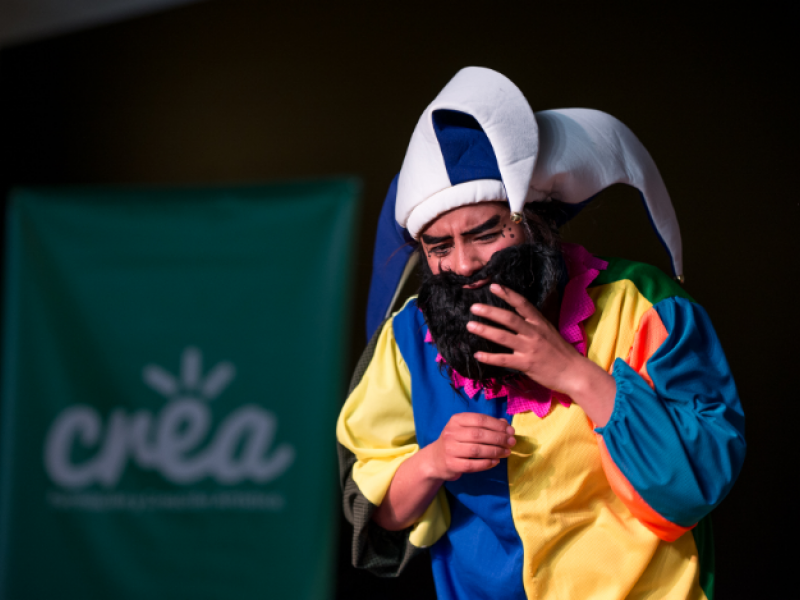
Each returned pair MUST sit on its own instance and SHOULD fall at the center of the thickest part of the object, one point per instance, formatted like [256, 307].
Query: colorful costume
[575, 511]
[571, 513]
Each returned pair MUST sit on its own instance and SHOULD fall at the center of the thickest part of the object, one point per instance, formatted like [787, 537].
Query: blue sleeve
[681, 442]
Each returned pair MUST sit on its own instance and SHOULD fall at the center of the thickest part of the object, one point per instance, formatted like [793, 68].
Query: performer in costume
[548, 423]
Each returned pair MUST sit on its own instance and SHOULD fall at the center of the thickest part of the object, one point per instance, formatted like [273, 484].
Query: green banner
[173, 364]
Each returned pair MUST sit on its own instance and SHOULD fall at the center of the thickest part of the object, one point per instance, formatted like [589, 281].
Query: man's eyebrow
[429, 239]
[485, 226]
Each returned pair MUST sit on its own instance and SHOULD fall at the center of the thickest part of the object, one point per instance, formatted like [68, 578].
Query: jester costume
[576, 510]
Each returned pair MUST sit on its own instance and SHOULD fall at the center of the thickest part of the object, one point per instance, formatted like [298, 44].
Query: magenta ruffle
[576, 306]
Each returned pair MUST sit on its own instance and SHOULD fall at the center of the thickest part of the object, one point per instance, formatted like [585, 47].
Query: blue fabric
[466, 149]
[481, 554]
[681, 445]
[570, 211]
[393, 247]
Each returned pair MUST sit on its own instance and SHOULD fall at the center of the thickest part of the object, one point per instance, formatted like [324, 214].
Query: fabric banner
[173, 364]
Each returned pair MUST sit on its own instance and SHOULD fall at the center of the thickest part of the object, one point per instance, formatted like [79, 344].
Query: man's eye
[439, 250]
[489, 237]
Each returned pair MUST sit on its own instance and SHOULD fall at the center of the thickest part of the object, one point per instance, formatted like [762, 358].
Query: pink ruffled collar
[576, 306]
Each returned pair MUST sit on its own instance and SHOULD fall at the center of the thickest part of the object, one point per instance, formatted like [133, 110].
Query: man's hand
[539, 350]
[543, 355]
[470, 442]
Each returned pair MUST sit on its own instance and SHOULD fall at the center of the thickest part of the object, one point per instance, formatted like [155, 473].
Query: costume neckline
[577, 306]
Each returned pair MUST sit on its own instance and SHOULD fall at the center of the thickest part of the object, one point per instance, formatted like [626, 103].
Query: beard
[532, 269]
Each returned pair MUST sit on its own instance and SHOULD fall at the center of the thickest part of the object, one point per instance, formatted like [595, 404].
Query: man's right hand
[470, 442]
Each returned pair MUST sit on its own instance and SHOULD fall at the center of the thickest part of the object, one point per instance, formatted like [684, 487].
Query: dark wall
[236, 91]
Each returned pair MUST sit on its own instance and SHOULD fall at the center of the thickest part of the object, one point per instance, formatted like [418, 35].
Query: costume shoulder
[649, 281]
[675, 442]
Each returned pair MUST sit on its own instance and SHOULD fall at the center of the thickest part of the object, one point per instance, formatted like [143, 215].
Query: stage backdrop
[172, 371]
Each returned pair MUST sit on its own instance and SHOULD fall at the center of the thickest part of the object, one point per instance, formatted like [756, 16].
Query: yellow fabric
[611, 329]
[579, 539]
[380, 432]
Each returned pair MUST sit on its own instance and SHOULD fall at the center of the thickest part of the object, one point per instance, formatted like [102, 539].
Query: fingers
[471, 458]
[476, 451]
[525, 313]
[500, 336]
[518, 301]
[464, 436]
[472, 442]
[501, 316]
[509, 361]
[512, 341]
[464, 465]
[469, 419]
[483, 437]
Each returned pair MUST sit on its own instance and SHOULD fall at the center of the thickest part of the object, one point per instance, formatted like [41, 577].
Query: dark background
[240, 91]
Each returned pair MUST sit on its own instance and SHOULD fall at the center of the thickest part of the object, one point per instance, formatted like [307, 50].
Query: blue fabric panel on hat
[568, 212]
[681, 443]
[466, 149]
[393, 247]
[481, 555]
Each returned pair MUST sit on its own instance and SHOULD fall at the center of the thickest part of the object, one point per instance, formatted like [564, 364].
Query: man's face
[463, 240]
[465, 250]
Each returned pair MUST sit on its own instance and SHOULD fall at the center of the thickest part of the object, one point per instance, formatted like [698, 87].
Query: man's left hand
[539, 351]
[542, 354]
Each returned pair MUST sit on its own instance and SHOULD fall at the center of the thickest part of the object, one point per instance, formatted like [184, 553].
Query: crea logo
[169, 442]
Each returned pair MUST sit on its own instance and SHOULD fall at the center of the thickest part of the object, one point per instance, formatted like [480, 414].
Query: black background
[242, 90]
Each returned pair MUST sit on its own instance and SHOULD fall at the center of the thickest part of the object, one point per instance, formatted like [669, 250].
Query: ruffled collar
[576, 306]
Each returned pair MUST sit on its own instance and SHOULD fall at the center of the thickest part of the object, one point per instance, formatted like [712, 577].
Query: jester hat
[478, 141]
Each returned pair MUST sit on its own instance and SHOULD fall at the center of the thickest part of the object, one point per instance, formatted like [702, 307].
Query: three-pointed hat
[478, 141]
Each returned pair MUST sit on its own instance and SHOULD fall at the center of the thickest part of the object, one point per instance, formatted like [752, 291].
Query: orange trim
[665, 530]
[649, 338]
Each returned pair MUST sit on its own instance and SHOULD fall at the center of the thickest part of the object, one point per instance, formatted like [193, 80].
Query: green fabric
[704, 540]
[651, 282]
[173, 366]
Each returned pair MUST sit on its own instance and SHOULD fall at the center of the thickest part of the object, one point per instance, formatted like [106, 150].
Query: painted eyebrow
[485, 226]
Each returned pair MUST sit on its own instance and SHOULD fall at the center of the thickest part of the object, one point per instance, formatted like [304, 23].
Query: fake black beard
[531, 269]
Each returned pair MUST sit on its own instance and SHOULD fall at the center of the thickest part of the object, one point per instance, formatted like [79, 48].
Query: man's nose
[465, 261]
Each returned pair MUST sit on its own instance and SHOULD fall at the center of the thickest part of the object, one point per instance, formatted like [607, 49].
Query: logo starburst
[190, 382]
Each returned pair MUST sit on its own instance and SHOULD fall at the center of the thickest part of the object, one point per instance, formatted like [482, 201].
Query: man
[549, 424]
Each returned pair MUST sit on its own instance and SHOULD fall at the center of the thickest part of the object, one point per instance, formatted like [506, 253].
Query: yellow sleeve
[377, 425]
